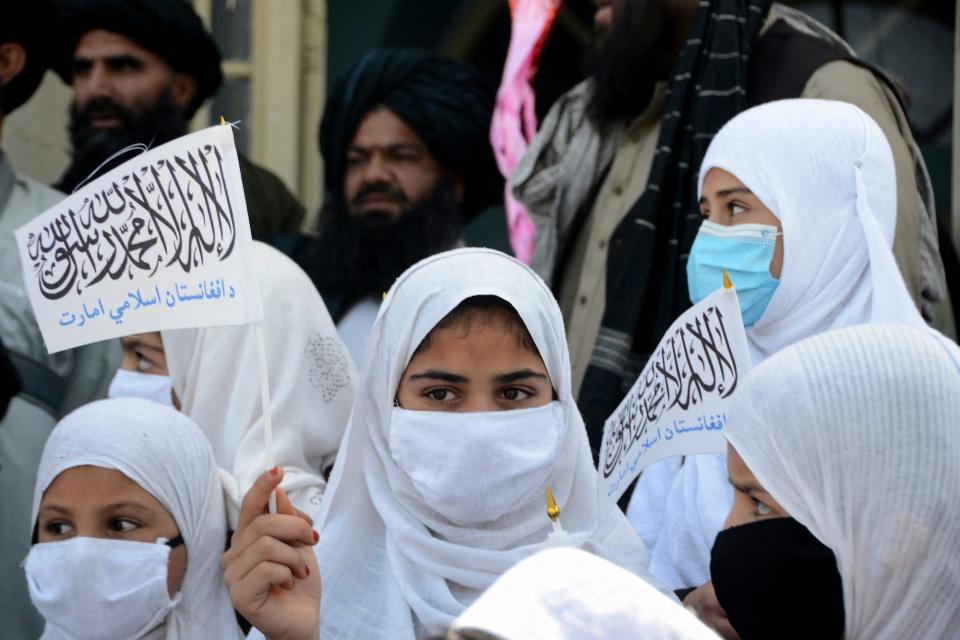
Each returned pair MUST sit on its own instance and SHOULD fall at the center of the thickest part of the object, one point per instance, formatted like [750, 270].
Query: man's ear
[13, 58]
[184, 87]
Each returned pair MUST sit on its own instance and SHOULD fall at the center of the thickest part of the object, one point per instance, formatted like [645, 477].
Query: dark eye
[440, 395]
[58, 528]
[736, 208]
[516, 394]
[122, 525]
[761, 508]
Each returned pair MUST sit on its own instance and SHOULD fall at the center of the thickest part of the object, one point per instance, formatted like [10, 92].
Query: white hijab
[855, 433]
[165, 453]
[382, 567]
[825, 169]
[312, 381]
[567, 594]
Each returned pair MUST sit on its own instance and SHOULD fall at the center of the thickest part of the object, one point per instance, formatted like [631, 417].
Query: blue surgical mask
[745, 252]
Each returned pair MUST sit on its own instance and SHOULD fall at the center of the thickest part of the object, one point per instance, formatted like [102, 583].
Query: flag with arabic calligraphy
[678, 404]
[160, 242]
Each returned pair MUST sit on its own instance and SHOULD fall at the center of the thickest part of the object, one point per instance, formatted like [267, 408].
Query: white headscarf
[855, 433]
[312, 380]
[166, 454]
[825, 169]
[567, 594]
[380, 563]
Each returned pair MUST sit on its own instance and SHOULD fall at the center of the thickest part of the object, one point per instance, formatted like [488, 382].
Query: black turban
[169, 28]
[27, 23]
[448, 104]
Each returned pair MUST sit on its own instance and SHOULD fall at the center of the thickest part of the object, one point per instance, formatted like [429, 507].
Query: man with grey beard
[140, 69]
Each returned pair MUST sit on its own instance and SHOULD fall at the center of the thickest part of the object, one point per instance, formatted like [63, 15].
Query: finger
[258, 497]
[267, 549]
[283, 503]
[251, 593]
[286, 528]
[304, 516]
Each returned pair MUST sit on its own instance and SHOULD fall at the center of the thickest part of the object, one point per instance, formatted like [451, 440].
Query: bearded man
[407, 158]
[140, 69]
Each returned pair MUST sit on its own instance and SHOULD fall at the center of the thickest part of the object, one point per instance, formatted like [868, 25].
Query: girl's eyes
[760, 508]
[736, 208]
[121, 525]
[440, 395]
[58, 528]
[516, 394]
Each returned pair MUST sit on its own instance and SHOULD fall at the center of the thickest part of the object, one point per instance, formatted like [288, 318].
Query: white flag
[161, 242]
[677, 405]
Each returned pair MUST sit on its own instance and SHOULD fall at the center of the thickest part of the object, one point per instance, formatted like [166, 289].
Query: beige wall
[35, 135]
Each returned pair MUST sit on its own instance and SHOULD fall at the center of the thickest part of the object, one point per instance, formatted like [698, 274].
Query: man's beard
[626, 61]
[152, 125]
[359, 255]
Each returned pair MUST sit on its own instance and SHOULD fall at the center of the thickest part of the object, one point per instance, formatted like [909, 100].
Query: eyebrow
[517, 376]
[136, 343]
[445, 376]
[723, 193]
[56, 508]
[746, 487]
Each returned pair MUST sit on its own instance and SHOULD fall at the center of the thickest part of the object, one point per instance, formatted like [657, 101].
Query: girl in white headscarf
[215, 376]
[130, 525]
[439, 485]
[800, 203]
[844, 451]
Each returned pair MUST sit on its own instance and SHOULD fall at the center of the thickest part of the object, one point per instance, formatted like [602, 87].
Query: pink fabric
[514, 118]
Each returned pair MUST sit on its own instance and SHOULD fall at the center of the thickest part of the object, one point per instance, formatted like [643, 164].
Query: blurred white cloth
[567, 594]
[393, 568]
[855, 433]
[165, 453]
[312, 380]
[355, 326]
[825, 169]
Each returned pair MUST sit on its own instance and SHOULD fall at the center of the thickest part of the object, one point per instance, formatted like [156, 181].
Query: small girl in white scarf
[129, 526]
[464, 416]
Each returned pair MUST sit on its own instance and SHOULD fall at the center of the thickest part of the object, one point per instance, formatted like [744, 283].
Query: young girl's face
[103, 503]
[480, 364]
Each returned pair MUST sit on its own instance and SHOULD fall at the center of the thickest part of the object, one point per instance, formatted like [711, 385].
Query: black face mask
[776, 580]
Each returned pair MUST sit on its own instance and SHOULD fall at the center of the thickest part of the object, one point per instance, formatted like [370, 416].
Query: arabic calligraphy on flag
[161, 242]
[677, 405]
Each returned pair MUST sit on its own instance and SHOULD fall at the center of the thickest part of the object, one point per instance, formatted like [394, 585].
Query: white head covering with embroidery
[391, 567]
[825, 169]
[165, 453]
[312, 379]
[854, 432]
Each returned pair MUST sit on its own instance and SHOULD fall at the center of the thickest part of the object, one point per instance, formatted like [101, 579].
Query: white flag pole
[265, 400]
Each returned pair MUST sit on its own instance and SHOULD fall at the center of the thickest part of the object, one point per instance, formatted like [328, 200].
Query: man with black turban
[140, 69]
[404, 138]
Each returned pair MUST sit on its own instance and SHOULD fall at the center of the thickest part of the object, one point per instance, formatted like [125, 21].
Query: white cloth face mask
[474, 468]
[100, 589]
[136, 384]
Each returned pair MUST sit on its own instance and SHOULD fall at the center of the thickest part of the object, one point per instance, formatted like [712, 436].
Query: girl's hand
[270, 568]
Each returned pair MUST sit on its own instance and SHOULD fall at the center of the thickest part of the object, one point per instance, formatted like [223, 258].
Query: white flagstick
[265, 400]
